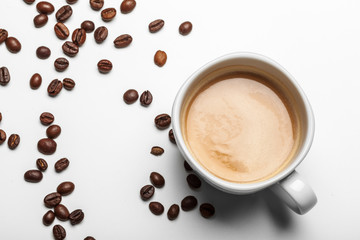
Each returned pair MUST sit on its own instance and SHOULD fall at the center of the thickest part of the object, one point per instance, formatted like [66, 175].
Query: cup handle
[296, 193]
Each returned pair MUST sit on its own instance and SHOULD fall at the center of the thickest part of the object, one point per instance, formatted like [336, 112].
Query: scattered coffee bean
[61, 31]
[4, 76]
[68, 84]
[171, 136]
[52, 199]
[123, 41]
[71, 1]
[185, 28]
[146, 192]
[187, 166]
[146, 98]
[65, 188]
[61, 165]
[160, 58]
[48, 218]
[157, 151]
[156, 208]
[61, 212]
[41, 164]
[45, 7]
[61, 64]
[173, 212]
[46, 118]
[47, 146]
[104, 66]
[76, 216]
[35, 81]
[108, 14]
[2, 136]
[193, 181]
[79, 36]
[157, 179]
[13, 141]
[29, 1]
[207, 210]
[43, 52]
[100, 34]
[59, 232]
[88, 26]
[53, 131]
[188, 203]
[13, 45]
[130, 96]
[127, 6]
[0, 116]
[3, 35]
[156, 25]
[40, 20]
[162, 121]
[64, 13]
[33, 176]
[70, 49]
[96, 4]
[89, 238]
[54, 87]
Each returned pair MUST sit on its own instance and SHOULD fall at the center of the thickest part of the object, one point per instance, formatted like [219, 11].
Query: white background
[108, 142]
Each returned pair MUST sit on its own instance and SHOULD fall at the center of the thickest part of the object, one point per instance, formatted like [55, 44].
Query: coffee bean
[207, 210]
[76, 216]
[0, 116]
[173, 212]
[104, 66]
[156, 25]
[100, 34]
[79, 36]
[61, 165]
[61, 212]
[3, 35]
[53, 131]
[64, 13]
[171, 136]
[52, 199]
[46, 118]
[193, 181]
[130, 96]
[59, 232]
[35, 81]
[146, 98]
[162, 121]
[65, 188]
[160, 58]
[156, 208]
[188, 203]
[70, 49]
[157, 151]
[68, 84]
[61, 64]
[2, 136]
[157, 179]
[71, 1]
[61, 31]
[123, 41]
[33, 176]
[41, 164]
[45, 7]
[13, 45]
[146, 192]
[89, 238]
[108, 14]
[187, 166]
[48, 218]
[29, 1]
[96, 4]
[43, 52]
[54, 87]
[47, 146]
[13, 141]
[127, 6]
[40, 20]
[88, 26]
[185, 28]
[4, 76]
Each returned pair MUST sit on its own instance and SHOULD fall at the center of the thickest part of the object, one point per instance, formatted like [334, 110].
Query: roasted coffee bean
[193, 181]
[157, 151]
[45, 7]
[65, 188]
[46, 118]
[156, 25]
[156, 208]
[41, 164]
[35, 81]
[13, 141]
[47, 146]
[71, 1]
[187, 166]
[70, 49]
[96, 4]
[146, 98]
[2, 136]
[54, 88]
[108, 14]
[160, 58]
[162, 121]
[188, 203]
[43, 52]
[53, 131]
[4, 76]
[64, 13]
[207, 210]
[59, 232]
[173, 212]
[127, 6]
[33, 176]
[0, 116]
[104, 66]
[40, 20]
[61, 31]
[76, 216]
[185, 28]
[146, 192]
[52, 199]
[48, 218]
[13, 45]
[88, 26]
[130, 96]
[100, 34]
[68, 83]
[123, 41]
[171, 136]
[61, 165]
[89, 238]
[79, 36]
[61, 212]
[157, 179]
[61, 64]
[29, 1]
[3, 35]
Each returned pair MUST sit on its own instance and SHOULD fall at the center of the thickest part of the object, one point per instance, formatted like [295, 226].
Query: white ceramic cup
[287, 184]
